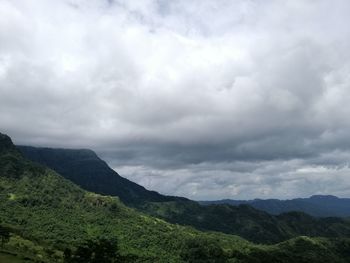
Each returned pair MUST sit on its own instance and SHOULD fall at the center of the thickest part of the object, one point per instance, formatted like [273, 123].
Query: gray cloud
[207, 99]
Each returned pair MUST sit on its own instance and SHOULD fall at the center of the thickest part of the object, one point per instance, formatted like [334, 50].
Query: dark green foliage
[6, 145]
[4, 235]
[101, 250]
[201, 250]
[300, 250]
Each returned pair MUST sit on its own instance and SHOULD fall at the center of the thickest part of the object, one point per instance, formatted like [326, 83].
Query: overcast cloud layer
[204, 99]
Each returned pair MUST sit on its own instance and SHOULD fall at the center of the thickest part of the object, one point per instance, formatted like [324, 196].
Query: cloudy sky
[205, 99]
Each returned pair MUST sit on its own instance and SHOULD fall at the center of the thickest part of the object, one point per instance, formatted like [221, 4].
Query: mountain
[46, 218]
[317, 205]
[6, 145]
[84, 168]
[48, 214]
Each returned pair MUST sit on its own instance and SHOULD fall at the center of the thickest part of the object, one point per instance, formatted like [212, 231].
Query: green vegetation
[203, 250]
[94, 251]
[49, 219]
[9, 258]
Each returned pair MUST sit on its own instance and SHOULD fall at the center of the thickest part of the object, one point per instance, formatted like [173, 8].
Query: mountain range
[45, 217]
[316, 205]
[86, 169]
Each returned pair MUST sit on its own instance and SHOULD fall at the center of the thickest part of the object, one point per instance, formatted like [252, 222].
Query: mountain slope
[245, 221]
[86, 169]
[317, 205]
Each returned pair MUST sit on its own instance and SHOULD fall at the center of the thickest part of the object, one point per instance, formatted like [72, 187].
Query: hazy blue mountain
[316, 205]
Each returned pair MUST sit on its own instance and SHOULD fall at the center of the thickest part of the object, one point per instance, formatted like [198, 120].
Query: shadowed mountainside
[86, 169]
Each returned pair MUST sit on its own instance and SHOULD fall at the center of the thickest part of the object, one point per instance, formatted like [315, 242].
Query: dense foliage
[199, 250]
[4, 235]
[101, 250]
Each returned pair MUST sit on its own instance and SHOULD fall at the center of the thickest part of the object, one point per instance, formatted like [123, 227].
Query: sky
[205, 99]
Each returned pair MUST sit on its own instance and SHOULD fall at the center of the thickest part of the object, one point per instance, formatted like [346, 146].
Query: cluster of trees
[201, 250]
[100, 250]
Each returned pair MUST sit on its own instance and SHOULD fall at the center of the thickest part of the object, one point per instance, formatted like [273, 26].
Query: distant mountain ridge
[316, 205]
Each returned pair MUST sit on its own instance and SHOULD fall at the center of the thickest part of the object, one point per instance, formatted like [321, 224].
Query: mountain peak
[59, 154]
[6, 143]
